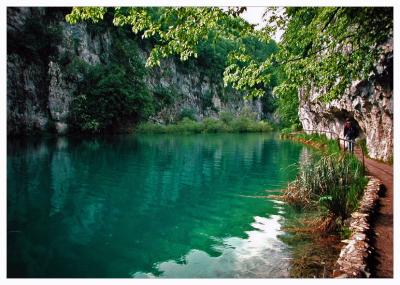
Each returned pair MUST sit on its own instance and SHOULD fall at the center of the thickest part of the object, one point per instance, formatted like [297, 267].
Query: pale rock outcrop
[59, 98]
[369, 102]
[39, 91]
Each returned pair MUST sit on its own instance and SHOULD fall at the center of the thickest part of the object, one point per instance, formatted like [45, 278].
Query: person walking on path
[350, 133]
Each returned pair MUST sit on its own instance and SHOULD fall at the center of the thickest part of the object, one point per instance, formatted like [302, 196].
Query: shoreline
[354, 257]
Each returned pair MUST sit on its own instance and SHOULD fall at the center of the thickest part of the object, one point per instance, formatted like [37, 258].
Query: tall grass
[208, 125]
[334, 184]
[326, 190]
[331, 145]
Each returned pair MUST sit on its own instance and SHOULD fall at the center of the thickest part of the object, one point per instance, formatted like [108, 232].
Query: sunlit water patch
[260, 254]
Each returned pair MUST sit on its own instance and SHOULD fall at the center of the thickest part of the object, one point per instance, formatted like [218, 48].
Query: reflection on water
[260, 254]
[150, 205]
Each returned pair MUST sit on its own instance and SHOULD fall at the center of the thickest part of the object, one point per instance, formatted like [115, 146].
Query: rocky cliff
[368, 102]
[40, 89]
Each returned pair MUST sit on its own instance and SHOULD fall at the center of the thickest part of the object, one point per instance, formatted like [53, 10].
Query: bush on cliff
[107, 98]
[111, 94]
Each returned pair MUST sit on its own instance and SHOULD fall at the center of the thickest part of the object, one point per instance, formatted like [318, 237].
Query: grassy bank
[332, 182]
[208, 125]
[321, 142]
[325, 192]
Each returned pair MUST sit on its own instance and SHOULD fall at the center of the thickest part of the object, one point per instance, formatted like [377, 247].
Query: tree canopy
[180, 31]
[325, 48]
[329, 47]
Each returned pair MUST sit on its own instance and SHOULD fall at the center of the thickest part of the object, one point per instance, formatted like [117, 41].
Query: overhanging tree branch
[313, 53]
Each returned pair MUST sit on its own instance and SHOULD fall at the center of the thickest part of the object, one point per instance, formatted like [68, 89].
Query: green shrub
[296, 127]
[107, 98]
[245, 122]
[112, 94]
[185, 126]
[188, 125]
[211, 125]
[241, 124]
[76, 69]
[227, 122]
[188, 113]
[149, 127]
[285, 131]
[208, 125]
[226, 117]
[262, 126]
[91, 125]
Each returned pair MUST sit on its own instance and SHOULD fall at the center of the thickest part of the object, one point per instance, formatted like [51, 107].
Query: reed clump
[332, 184]
[326, 191]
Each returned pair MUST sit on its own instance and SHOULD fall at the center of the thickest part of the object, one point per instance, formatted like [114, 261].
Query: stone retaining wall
[352, 262]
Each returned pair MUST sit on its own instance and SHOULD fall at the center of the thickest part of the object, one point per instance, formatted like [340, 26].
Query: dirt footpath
[382, 225]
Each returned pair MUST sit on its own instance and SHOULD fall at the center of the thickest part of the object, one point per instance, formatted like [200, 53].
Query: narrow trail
[382, 225]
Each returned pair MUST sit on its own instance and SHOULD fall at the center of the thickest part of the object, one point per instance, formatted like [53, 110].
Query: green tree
[178, 31]
[107, 98]
[325, 48]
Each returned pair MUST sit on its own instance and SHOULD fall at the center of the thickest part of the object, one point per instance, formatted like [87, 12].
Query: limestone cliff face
[191, 88]
[26, 80]
[39, 92]
[369, 102]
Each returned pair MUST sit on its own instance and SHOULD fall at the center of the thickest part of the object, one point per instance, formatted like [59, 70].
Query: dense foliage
[324, 48]
[107, 98]
[111, 93]
[178, 31]
[328, 48]
[211, 59]
[227, 123]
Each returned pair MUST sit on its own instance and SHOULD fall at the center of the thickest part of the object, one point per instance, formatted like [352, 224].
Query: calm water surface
[148, 206]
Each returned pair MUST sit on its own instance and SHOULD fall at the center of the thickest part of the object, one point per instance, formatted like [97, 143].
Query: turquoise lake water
[148, 206]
